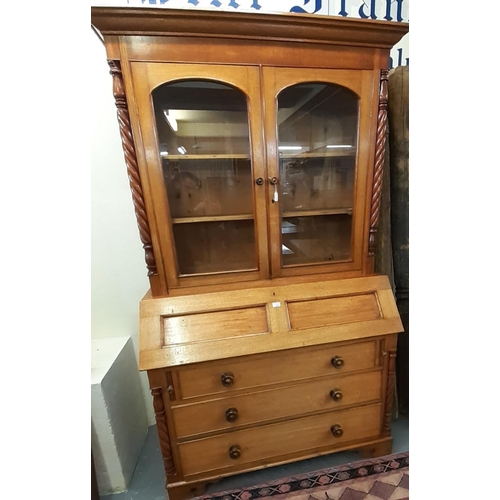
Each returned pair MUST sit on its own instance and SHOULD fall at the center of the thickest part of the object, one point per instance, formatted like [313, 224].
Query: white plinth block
[119, 417]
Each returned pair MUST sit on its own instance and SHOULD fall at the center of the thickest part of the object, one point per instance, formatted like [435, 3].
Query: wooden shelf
[310, 213]
[329, 154]
[207, 157]
[211, 218]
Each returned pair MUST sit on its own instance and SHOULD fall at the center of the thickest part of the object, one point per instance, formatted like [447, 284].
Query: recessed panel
[333, 311]
[204, 327]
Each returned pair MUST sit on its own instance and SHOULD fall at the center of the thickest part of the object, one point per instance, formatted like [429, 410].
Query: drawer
[281, 366]
[305, 397]
[262, 444]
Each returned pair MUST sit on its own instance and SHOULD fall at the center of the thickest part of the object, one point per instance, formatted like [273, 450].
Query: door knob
[336, 394]
[231, 415]
[336, 430]
[227, 379]
[337, 362]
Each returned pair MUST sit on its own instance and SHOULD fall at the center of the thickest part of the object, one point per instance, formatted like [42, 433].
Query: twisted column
[379, 160]
[132, 167]
[164, 436]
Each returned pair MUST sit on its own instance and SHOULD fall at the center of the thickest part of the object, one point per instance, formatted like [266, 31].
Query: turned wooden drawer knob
[231, 414]
[337, 362]
[336, 394]
[336, 431]
[234, 452]
[227, 379]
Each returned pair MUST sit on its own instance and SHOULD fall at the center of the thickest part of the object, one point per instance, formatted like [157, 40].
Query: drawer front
[306, 397]
[262, 444]
[281, 367]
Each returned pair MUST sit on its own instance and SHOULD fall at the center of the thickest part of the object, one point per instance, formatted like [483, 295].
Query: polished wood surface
[284, 402]
[261, 371]
[253, 52]
[274, 81]
[201, 327]
[133, 174]
[206, 24]
[268, 443]
[379, 161]
[154, 352]
[145, 78]
[163, 37]
[192, 487]
[333, 311]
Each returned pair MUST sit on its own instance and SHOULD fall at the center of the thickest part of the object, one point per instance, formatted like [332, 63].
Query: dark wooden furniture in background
[94, 489]
[254, 145]
[398, 115]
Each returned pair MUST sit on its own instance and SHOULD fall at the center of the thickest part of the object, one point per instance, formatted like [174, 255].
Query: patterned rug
[383, 478]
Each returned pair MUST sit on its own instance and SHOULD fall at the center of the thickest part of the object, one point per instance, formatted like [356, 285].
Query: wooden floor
[148, 482]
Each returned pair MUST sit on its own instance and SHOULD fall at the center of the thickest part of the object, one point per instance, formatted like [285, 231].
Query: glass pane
[317, 238]
[211, 247]
[204, 142]
[317, 131]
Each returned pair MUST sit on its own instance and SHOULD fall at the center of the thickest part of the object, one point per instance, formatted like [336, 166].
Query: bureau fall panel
[177, 331]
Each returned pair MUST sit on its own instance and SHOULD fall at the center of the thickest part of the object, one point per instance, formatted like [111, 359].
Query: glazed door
[317, 167]
[201, 130]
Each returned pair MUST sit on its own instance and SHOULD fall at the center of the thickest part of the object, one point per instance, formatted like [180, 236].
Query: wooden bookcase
[254, 145]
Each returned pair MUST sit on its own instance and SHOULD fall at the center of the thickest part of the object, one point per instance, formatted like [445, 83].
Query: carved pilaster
[163, 434]
[389, 393]
[379, 160]
[132, 167]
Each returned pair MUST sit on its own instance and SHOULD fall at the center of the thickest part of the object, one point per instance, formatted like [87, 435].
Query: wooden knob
[336, 394]
[227, 379]
[336, 430]
[234, 452]
[337, 362]
[231, 415]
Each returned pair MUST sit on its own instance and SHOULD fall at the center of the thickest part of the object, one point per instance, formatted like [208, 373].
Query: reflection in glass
[320, 238]
[317, 132]
[211, 247]
[203, 134]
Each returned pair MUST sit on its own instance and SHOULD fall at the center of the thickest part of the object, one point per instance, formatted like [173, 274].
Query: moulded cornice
[242, 25]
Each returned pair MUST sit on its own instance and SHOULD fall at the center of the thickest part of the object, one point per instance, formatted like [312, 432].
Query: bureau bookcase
[254, 145]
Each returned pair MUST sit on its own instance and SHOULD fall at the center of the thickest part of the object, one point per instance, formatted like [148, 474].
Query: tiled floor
[148, 482]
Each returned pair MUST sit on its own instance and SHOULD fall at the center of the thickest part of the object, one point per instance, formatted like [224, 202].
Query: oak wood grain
[332, 311]
[192, 328]
[264, 370]
[265, 444]
[286, 401]
[239, 25]
[154, 354]
[265, 358]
